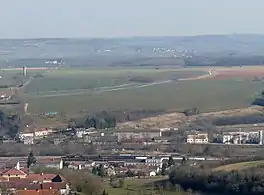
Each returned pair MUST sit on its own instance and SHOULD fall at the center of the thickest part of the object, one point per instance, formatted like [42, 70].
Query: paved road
[81, 90]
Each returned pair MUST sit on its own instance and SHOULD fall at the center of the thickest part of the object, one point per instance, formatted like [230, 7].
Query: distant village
[145, 136]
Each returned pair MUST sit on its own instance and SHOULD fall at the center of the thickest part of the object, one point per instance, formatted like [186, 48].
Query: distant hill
[109, 51]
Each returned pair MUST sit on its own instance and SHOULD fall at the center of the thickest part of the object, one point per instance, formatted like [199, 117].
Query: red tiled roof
[25, 170]
[37, 192]
[40, 177]
[14, 171]
[23, 184]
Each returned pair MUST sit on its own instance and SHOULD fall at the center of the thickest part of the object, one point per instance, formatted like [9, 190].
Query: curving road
[102, 89]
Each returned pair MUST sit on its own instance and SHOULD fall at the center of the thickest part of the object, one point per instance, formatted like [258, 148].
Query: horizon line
[127, 37]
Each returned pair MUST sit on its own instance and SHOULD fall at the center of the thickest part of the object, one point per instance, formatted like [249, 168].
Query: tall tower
[24, 71]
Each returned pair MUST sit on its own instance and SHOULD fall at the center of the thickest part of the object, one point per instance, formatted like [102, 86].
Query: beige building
[137, 134]
[199, 138]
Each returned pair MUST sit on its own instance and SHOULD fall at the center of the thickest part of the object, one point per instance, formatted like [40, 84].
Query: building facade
[199, 138]
[136, 134]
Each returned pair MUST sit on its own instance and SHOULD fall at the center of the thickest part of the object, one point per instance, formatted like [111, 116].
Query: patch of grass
[239, 166]
[139, 186]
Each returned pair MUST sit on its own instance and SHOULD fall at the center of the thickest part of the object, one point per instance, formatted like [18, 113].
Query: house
[110, 171]
[38, 192]
[23, 135]
[80, 132]
[199, 138]
[137, 134]
[75, 165]
[105, 140]
[227, 138]
[56, 163]
[13, 173]
[28, 140]
[43, 132]
[153, 161]
[40, 178]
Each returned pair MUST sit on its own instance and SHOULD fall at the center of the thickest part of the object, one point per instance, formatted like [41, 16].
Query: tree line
[100, 120]
[9, 124]
[242, 182]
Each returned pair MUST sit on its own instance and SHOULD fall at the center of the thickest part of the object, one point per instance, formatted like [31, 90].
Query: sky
[128, 18]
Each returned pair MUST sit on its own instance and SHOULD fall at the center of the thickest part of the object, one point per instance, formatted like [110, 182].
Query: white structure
[43, 132]
[200, 138]
[261, 137]
[24, 71]
[227, 139]
[152, 174]
[154, 161]
[81, 132]
[23, 135]
[28, 140]
[26, 108]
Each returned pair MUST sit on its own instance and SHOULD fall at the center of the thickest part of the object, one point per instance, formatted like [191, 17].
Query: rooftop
[37, 192]
[14, 171]
[40, 177]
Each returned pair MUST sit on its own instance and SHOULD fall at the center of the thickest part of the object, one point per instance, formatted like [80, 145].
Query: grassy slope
[239, 166]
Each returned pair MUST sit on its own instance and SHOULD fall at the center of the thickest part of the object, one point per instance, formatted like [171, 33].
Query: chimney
[18, 166]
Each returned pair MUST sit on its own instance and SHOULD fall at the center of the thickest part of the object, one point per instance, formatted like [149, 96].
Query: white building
[227, 139]
[199, 138]
[81, 132]
[23, 135]
[152, 173]
[28, 140]
[43, 132]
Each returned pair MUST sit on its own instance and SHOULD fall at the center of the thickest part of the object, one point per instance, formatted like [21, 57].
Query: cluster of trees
[234, 120]
[9, 124]
[116, 182]
[99, 171]
[101, 120]
[191, 111]
[243, 182]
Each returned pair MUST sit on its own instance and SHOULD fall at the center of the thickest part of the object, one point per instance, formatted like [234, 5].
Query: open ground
[137, 186]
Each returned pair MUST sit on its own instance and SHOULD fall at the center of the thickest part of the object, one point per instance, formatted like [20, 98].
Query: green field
[75, 91]
[71, 79]
[205, 95]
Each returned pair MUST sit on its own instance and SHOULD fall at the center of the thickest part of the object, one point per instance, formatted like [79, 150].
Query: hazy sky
[113, 18]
